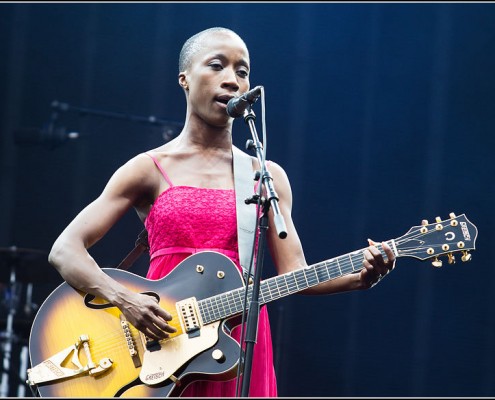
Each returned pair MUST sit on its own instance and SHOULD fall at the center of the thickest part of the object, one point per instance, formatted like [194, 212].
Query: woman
[182, 186]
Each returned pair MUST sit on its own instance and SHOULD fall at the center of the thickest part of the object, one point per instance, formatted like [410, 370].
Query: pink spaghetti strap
[161, 169]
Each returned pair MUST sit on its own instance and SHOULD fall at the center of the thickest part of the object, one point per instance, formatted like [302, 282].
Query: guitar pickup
[189, 316]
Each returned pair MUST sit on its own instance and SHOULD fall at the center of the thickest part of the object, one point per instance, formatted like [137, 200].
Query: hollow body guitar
[81, 346]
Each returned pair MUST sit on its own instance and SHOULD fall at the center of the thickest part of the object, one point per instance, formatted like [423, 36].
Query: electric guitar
[82, 346]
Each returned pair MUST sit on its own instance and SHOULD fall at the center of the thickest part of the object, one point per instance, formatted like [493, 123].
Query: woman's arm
[131, 185]
[288, 253]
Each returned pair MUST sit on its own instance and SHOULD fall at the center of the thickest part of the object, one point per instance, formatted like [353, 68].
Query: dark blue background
[381, 114]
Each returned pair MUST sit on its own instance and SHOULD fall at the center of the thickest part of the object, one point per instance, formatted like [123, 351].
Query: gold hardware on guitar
[466, 256]
[452, 229]
[130, 341]
[424, 229]
[451, 258]
[201, 310]
[53, 368]
[437, 262]
[454, 221]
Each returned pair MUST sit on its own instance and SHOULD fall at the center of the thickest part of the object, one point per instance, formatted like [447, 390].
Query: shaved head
[194, 44]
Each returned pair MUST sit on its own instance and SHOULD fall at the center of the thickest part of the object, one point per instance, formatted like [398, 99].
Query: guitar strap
[140, 247]
[246, 215]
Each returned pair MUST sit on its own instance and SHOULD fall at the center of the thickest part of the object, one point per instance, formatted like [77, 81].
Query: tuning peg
[452, 215]
[466, 256]
[437, 263]
[451, 258]
[424, 229]
[438, 219]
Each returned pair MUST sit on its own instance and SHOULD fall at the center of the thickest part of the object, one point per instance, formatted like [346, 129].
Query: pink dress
[185, 220]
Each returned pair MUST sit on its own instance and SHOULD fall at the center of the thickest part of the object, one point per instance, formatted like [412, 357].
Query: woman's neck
[205, 137]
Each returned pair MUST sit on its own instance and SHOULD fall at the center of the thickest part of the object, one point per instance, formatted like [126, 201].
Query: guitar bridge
[52, 369]
[131, 346]
[189, 316]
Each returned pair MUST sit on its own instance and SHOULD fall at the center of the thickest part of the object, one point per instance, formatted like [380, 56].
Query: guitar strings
[341, 264]
[227, 304]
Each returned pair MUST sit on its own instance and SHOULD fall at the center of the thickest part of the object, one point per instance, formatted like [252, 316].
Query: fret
[226, 301]
[327, 264]
[293, 283]
[336, 272]
[300, 279]
[352, 263]
[322, 272]
[269, 291]
[279, 283]
[241, 299]
[207, 310]
[303, 273]
[272, 283]
[294, 278]
[380, 247]
[201, 311]
[338, 265]
[216, 307]
[284, 285]
[358, 259]
[220, 304]
[262, 295]
[311, 276]
[233, 301]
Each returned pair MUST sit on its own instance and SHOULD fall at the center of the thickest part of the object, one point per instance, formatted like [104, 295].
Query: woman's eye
[216, 66]
[243, 73]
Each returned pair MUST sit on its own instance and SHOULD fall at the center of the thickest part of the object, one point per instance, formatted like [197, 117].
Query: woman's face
[218, 72]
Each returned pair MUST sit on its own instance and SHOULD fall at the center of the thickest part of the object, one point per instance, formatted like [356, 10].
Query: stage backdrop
[381, 114]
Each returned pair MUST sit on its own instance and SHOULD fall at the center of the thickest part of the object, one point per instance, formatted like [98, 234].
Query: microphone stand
[271, 200]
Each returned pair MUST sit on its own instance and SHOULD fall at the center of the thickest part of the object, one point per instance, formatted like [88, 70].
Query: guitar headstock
[429, 241]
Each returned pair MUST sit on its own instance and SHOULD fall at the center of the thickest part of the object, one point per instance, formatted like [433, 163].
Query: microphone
[237, 105]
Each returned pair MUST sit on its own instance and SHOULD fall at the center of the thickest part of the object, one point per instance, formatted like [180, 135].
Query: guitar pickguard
[159, 365]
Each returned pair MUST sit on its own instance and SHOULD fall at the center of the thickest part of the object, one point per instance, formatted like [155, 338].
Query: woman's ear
[183, 81]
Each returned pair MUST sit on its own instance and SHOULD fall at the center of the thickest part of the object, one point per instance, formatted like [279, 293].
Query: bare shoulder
[136, 179]
[276, 170]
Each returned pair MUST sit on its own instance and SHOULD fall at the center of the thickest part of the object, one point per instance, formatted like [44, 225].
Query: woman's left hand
[375, 267]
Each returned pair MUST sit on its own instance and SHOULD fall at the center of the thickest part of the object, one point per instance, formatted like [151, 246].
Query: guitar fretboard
[231, 303]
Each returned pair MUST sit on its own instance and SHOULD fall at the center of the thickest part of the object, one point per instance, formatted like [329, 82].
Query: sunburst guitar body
[81, 346]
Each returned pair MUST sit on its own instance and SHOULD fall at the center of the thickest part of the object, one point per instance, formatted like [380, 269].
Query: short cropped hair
[193, 45]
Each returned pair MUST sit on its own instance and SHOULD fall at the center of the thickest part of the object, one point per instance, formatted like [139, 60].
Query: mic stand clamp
[271, 200]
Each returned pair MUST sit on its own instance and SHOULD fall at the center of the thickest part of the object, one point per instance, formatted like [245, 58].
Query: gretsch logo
[465, 231]
[155, 376]
[53, 368]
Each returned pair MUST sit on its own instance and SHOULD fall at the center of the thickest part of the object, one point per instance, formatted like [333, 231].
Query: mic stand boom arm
[271, 200]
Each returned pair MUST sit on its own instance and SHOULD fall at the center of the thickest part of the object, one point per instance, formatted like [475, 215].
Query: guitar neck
[231, 303]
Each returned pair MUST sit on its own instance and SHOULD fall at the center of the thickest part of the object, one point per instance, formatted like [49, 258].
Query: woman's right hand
[145, 314]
